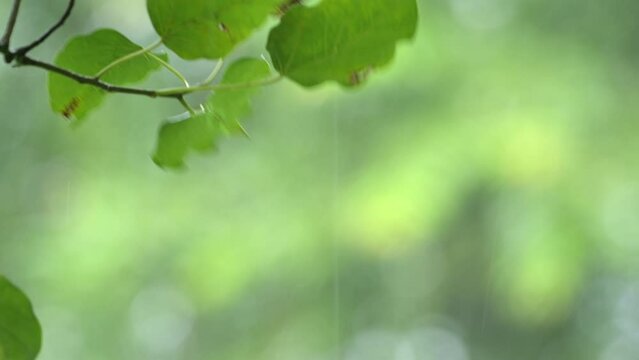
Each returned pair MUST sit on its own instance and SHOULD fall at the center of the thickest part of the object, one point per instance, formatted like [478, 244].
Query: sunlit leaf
[20, 333]
[207, 28]
[231, 105]
[87, 55]
[340, 40]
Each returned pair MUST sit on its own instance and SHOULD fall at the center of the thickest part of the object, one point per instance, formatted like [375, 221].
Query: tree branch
[5, 41]
[173, 93]
[20, 58]
[25, 49]
[24, 60]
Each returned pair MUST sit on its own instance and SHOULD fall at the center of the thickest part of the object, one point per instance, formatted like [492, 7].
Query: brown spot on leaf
[70, 109]
[358, 77]
[286, 6]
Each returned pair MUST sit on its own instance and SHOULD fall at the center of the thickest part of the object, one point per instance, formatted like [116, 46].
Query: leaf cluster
[341, 41]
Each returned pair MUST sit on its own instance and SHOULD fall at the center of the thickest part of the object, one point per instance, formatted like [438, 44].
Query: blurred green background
[478, 199]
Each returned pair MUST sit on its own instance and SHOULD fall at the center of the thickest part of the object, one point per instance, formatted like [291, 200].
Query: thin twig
[27, 61]
[5, 41]
[25, 49]
[173, 93]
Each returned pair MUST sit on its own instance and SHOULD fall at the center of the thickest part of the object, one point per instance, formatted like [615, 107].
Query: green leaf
[340, 40]
[87, 55]
[232, 105]
[20, 333]
[210, 29]
[197, 133]
[221, 115]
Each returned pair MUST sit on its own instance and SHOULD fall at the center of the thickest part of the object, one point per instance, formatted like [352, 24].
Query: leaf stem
[214, 73]
[170, 68]
[186, 105]
[127, 57]
[218, 87]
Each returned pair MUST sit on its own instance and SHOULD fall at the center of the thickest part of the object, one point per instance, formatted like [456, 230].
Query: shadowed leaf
[20, 333]
[231, 105]
[197, 133]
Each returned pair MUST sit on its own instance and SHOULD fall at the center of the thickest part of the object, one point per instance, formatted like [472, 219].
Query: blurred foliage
[477, 200]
